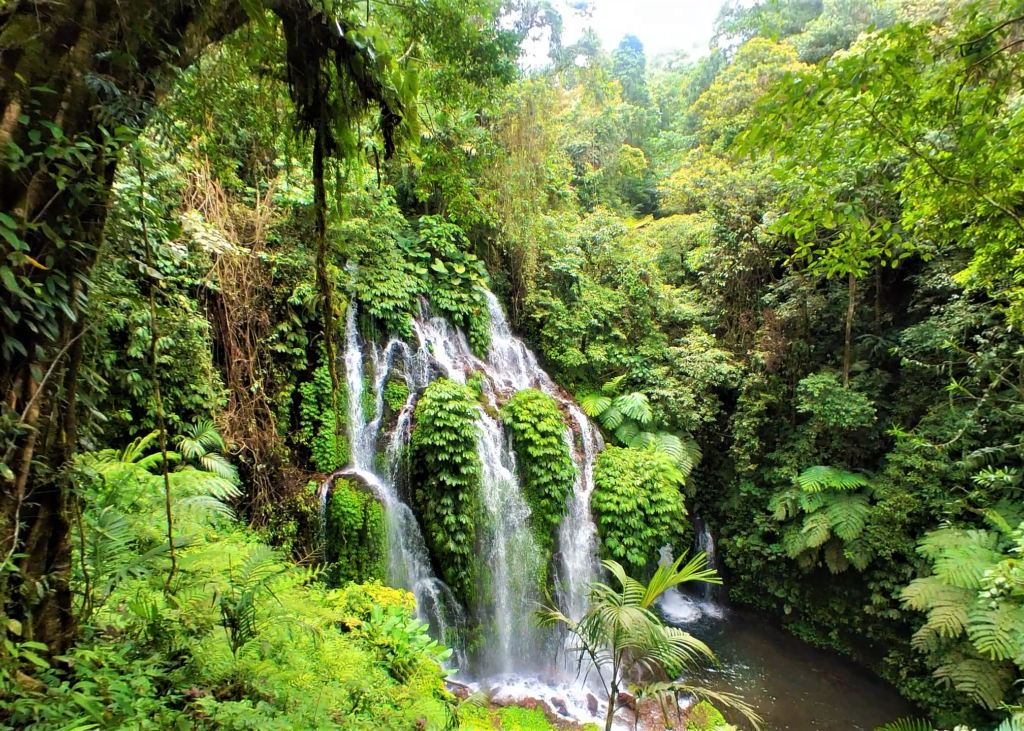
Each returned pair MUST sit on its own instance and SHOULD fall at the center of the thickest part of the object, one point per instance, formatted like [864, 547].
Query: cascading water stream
[510, 558]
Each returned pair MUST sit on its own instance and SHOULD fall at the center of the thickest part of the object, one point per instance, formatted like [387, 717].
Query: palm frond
[669, 575]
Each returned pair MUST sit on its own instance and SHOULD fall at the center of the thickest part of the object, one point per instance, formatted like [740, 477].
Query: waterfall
[510, 558]
[705, 543]
[408, 559]
[577, 534]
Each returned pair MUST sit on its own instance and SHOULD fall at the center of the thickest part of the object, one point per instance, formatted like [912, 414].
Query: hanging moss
[319, 430]
[543, 455]
[356, 535]
[446, 473]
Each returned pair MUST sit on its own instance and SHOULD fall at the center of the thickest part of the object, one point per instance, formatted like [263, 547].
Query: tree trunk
[609, 716]
[68, 70]
[847, 354]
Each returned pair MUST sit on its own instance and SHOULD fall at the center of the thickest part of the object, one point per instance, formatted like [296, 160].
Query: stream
[792, 685]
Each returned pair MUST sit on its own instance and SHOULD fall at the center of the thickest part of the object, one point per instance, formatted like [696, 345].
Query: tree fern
[635, 406]
[984, 682]
[594, 404]
[847, 514]
[820, 477]
[974, 627]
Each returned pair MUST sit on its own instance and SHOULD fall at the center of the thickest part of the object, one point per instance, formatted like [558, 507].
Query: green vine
[356, 535]
[446, 468]
[543, 454]
[637, 504]
[328, 450]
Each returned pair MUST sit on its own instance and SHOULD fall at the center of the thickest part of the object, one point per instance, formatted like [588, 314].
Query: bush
[356, 534]
[637, 507]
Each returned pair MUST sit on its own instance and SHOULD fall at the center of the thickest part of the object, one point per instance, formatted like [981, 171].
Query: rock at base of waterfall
[593, 705]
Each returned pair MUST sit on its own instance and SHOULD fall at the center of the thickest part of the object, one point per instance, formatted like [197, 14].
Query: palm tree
[625, 640]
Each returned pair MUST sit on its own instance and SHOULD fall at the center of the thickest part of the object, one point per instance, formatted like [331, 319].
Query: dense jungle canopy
[784, 279]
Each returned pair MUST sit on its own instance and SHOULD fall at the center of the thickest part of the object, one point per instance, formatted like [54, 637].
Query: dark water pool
[792, 686]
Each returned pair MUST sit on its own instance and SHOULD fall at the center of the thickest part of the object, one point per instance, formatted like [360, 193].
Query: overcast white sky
[662, 25]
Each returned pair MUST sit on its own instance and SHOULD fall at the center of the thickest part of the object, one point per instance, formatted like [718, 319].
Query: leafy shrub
[355, 602]
[636, 503]
[356, 534]
[543, 455]
[447, 472]
[396, 393]
[239, 639]
[457, 280]
[835, 406]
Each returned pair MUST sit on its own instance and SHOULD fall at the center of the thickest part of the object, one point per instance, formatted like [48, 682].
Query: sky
[661, 25]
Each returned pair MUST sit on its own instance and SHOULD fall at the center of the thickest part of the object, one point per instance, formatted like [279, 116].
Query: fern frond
[860, 552]
[793, 541]
[961, 557]
[997, 630]
[594, 404]
[820, 477]
[636, 406]
[612, 418]
[628, 434]
[835, 557]
[783, 505]
[847, 514]
[816, 529]
[613, 385]
[946, 605]
[985, 682]
[907, 724]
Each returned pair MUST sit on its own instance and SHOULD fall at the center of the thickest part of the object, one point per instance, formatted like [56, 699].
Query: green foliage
[907, 724]
[356, 534]
[401, 643]
[320, 428]
[396, 393]
[457, 280]
[974, 603]
[542, 454]
[822, 396]
[833, 518]
[705, 717]
[240, 639]
[628, 416]
[637, 504]
[446, 469]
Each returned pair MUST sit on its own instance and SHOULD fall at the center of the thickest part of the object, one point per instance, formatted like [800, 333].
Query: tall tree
[78, 82]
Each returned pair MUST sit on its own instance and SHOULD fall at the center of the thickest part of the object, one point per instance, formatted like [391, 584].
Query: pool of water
[791, 685]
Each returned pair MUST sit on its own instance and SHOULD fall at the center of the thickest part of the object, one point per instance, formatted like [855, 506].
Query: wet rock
[593, 705]
[560, 706]
[625, 700]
